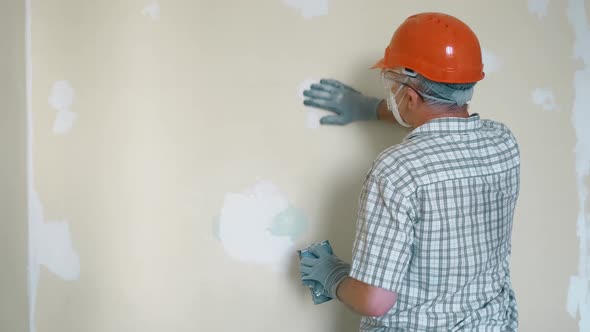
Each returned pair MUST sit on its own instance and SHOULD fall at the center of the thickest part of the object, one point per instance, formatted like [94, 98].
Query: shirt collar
[441, 126]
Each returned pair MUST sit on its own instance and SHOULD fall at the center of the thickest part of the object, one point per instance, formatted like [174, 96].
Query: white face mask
[391, 99]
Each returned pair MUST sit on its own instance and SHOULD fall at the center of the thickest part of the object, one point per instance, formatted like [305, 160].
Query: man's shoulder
[397, 165]
[406, 154]
[414, 161]
[500, 134]
[394, 158]
[493, 125]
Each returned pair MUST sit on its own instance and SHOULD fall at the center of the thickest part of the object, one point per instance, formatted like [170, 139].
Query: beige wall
[175, 111]
[13, 216]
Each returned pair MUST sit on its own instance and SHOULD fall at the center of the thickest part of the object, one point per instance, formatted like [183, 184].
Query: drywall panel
[176, 171]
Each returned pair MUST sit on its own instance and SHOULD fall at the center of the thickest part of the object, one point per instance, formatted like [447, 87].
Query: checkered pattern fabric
[434, 226]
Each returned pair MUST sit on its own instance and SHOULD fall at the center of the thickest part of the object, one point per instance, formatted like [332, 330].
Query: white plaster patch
[61, 99]
[313, 114]
[64, 122]
[50, 245]
[309, 8]
[313, 117]
[577, 289]
[491, 62]
[244, 225]
[545, 98]
[579, 295]
[152, 11]
[538, 7]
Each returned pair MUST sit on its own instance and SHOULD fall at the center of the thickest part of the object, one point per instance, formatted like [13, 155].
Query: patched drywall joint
[49, 243]
[578, 303]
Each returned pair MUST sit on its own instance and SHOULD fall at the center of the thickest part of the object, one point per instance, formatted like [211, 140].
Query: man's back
[435, 225]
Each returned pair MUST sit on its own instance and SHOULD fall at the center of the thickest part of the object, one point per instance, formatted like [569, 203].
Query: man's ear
[414, 99]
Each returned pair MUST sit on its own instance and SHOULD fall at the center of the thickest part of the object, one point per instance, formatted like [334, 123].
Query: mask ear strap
[403, 97]
[401, 86]
[394, 108]
[391, 102]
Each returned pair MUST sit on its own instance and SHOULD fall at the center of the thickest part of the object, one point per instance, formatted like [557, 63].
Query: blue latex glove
[327, 269]
[348, 104]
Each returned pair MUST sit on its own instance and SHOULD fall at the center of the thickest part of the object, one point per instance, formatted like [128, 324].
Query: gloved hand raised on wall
[327, 269]
[349, 104]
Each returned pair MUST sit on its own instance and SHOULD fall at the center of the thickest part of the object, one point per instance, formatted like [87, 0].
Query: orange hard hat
[440, 47]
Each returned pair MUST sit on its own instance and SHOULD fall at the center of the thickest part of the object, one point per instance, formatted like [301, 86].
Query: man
[433, 236]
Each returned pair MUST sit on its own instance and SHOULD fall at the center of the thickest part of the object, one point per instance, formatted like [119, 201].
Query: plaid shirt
[434, 226]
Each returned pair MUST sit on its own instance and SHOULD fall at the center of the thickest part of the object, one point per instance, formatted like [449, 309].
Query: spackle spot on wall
[313, 115]
[216, 227]
[578, 303]
[491, 62]
[50, 245]
[258, 226]
[152, 11]
[538, 7]
[61, 99]
[309, 8]
[545, 98]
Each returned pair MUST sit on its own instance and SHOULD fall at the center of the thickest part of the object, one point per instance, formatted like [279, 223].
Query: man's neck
[443, 114]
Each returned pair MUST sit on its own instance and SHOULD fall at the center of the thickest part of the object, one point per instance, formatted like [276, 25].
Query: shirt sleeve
[384, 235]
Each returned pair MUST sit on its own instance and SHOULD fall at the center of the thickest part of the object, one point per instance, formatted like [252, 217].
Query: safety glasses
[390, 77]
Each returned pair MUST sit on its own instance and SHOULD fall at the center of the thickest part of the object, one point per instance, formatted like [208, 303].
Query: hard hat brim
[379, 64]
